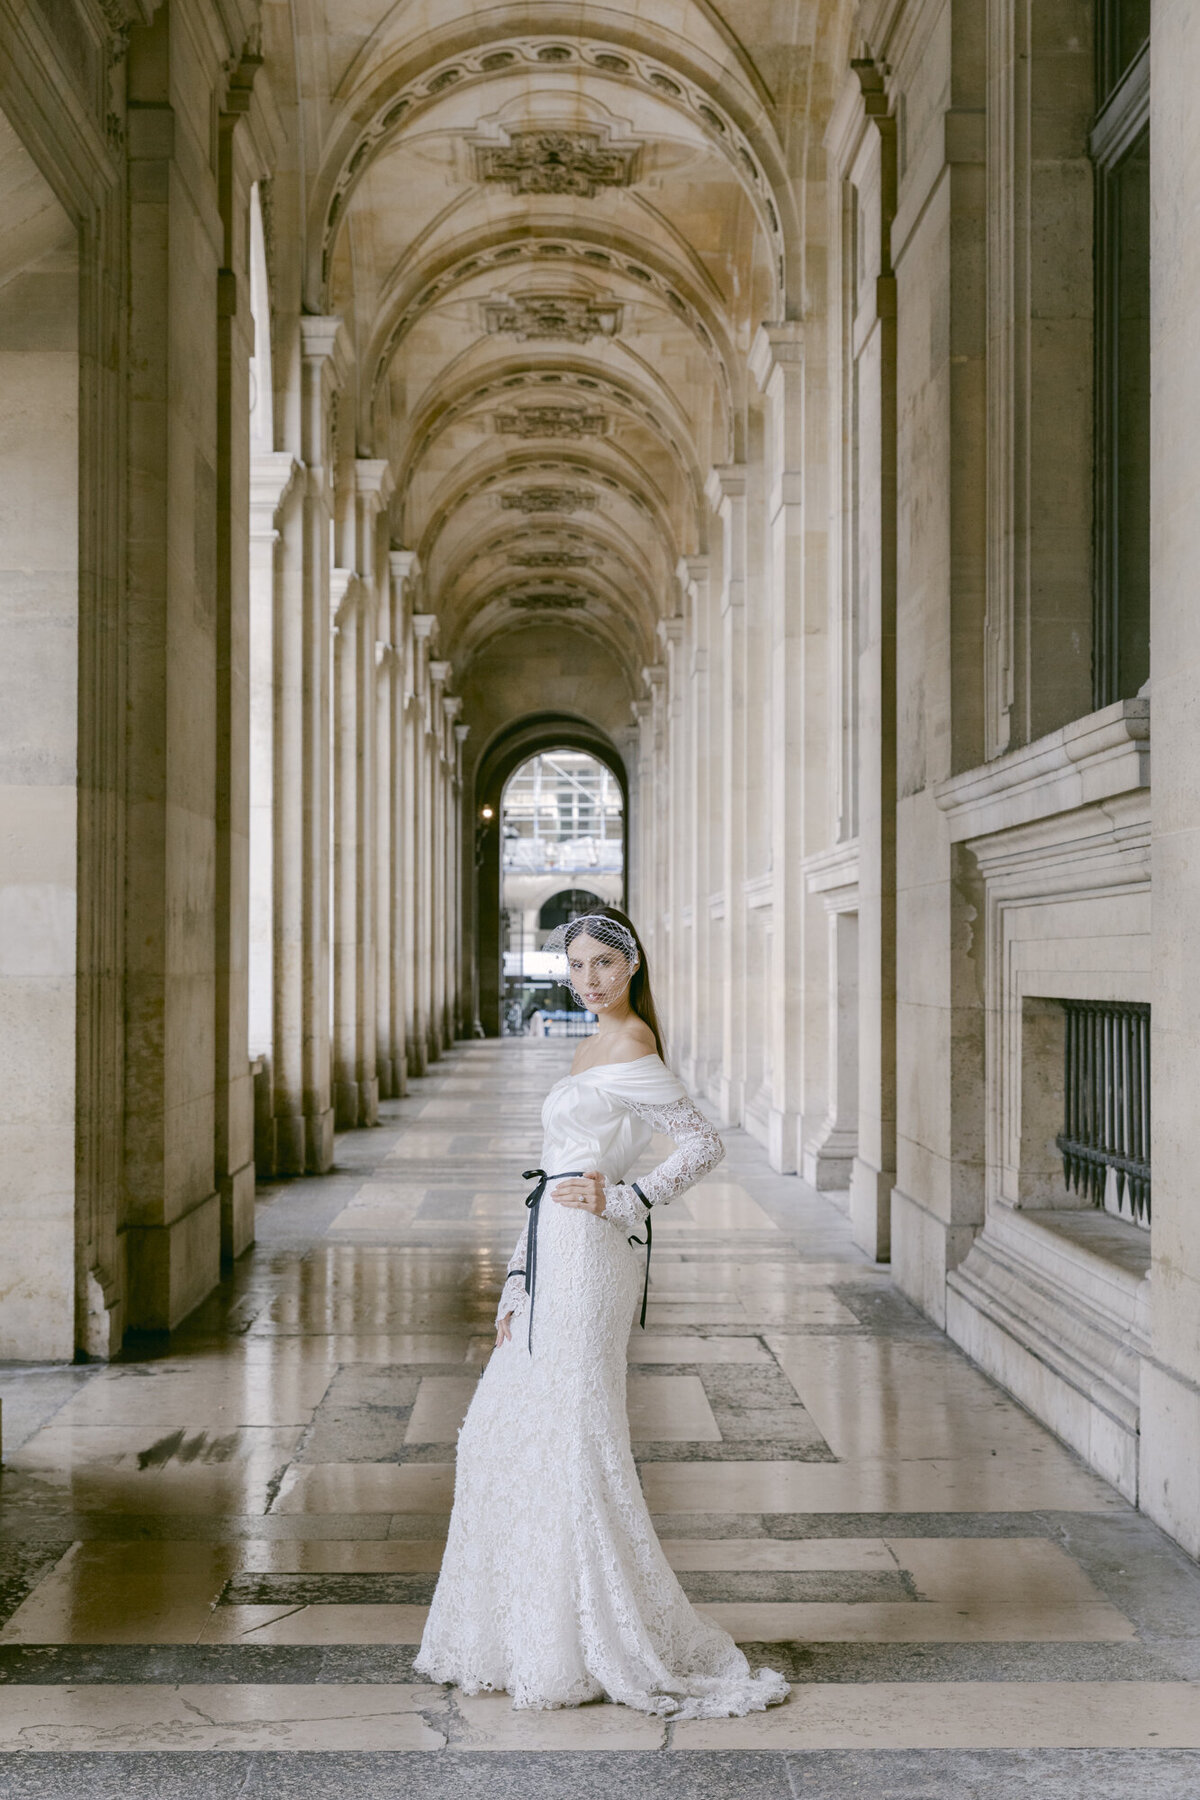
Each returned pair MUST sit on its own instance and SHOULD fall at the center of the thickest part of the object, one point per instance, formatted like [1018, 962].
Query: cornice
[1093, 760]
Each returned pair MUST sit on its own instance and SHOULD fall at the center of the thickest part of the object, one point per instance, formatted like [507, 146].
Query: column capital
[272, 478]
[670, 631]
[424, 625]
[773, 346]
[462, 733]
[451, 705]
[440, 671]
[403, 564]
[373, 479]
[324, 339]
[654, 676]
[726, 481]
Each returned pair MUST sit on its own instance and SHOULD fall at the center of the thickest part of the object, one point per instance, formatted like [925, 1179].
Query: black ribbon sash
[534, 1201]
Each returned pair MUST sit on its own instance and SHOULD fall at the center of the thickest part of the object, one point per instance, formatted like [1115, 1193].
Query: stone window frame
[1120, 133]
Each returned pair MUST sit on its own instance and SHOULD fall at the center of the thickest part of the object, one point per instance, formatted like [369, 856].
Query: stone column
[726, 493]
[387, 1022]
[172, 1207]
[1170, 1394]
[796, 601]
[672, 774]
[451, 707]
[863, 146]
[323, 372]
[464, 992]
[639, 879]
[419, 874]
[360, 601]
[43, 613]
[274, 493]
[656, 820]
[937, 246]
[393, 751]
[439, 673]
[348, 607]
[696, 751]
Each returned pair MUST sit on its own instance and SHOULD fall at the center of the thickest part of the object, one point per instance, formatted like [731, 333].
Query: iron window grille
[1107, 1089]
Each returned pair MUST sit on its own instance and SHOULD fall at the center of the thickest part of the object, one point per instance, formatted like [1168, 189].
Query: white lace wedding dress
[553, 1585]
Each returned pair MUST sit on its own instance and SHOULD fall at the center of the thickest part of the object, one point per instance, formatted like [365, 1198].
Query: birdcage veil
[611, 935]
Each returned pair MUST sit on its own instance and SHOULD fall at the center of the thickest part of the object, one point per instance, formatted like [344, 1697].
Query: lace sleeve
[698, 1149]
[513, 1298]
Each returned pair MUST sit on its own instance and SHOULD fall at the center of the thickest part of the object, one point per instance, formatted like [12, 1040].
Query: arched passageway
[561, 821]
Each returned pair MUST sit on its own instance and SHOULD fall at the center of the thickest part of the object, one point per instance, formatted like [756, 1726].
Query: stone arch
[508, 750]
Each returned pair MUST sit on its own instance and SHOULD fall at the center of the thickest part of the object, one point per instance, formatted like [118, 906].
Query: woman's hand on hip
[504, 1330]
[585, 1192]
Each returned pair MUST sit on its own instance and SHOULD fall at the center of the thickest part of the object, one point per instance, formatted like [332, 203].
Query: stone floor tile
[965, 1715]
[366, 1487]
[937, 1622]
[1051, 1478]
[490, 1722]
[123, 1593]
[776, 1553]
[441, 1406]
[670, 1407]
[245, 1716]
[400, 1624]
[660, 1347]
[390, 1556]
[875, 1398]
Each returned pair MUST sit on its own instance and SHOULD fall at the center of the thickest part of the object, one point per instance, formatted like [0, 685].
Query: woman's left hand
[583, 1191]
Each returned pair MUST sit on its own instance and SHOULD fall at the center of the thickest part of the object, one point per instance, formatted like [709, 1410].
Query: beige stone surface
[934, 1715]
[216, 1716]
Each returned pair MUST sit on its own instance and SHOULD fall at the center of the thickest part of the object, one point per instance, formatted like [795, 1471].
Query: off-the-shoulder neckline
[626, 1062]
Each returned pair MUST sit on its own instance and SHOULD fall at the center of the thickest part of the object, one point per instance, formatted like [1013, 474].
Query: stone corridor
[216, 1553]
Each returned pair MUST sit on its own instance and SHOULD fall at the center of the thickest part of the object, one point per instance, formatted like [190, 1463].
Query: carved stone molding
[552, 421]
[547, 602]
[575, 163]
[550, 499]
[549, 559]
[564, 317]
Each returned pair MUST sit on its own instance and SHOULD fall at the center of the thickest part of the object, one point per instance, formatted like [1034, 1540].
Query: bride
[553, 1585]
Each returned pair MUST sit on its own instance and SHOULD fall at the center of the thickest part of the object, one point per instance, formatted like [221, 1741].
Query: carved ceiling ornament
[576, 163]
[567, 318]
[552, 421]
[550, 499]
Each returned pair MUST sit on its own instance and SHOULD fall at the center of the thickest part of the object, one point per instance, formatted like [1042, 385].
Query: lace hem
[709, 1697]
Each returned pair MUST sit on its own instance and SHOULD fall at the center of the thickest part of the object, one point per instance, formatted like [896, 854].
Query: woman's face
[599, 972]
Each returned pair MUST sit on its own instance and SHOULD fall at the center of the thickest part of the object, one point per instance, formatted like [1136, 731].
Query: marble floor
[216, 1554]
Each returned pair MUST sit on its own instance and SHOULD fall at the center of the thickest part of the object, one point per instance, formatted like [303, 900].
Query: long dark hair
[640, 997]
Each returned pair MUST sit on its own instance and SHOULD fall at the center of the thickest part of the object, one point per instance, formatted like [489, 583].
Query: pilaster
[726, 493]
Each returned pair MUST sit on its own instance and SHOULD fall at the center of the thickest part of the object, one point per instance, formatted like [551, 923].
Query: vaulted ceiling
[553, 230]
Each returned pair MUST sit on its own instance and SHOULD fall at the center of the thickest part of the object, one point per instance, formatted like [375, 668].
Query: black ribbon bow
[533, 1202]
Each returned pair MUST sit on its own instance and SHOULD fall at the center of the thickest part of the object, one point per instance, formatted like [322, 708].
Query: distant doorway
[562, 832]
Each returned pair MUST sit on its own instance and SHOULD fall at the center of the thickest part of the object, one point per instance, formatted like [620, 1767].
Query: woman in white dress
[553, 1586]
